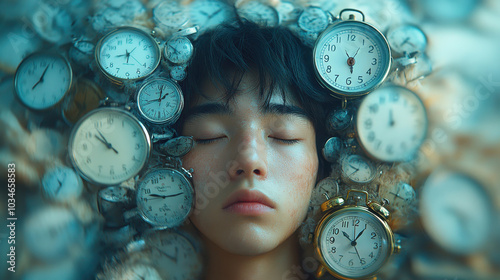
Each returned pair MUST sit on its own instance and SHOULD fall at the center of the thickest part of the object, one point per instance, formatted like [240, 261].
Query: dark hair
[224, 54]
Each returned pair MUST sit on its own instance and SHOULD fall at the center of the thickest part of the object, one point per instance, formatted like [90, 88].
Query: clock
[456, 212]
[327, 186]
[351, 58]
[165, 197]
[177, 147]
[61, 183]
[314, 19]
[391, 124]
[353, 239]
[331, 150]
[127, 53]
[160, 101]
[42, 80]
[357, 169]
[178, 50]
[170, 15]
[258, 13]
[108, 146]
[407, 39]
[339, 119]
[209, 13]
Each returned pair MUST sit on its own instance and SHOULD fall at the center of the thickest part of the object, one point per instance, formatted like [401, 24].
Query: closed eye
[208, 140]
[285, 141]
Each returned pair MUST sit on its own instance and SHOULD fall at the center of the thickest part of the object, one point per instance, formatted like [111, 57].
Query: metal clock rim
[156, 225]
[86, 116]
[372, 166]
[98, 47]
[176, 115]
[342, 94]
[330, 214]
[40, 53]
[373, 157]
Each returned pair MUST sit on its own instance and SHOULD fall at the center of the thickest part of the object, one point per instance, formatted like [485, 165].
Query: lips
[248, 202]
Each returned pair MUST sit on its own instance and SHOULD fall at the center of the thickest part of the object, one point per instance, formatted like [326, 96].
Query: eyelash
[284, 141]
[206, 141]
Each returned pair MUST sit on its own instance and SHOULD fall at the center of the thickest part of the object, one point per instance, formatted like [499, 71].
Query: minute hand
[359, 234]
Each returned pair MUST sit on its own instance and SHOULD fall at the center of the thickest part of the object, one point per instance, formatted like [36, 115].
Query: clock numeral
[351, 37]
[332, 240]
[355, 223]
[362, 261]
[368, 124]
[334, 250]
[134, 134]
[371, 136]
[375, 246]
[369, 72]
[328, 69]
[371, 255]
[148, 56]
[147, 191]
[336, 77]
[339, 39]
[374, 61]
[144, 65]
[84, 146]
[138, 71]
[394, 97]
[127, 74]
[155, 181]
[112, 171]
[89, 160]
[336, 231]
[348, 81]
[377, 144]
[137, 146]
[111, 64]
[371, 47]
[360, 79]
[119, 43]
[389, 149]
[128, 41]
[374, 235]
[111, 48]
[145, 47]
[373, 108]
[345, 224]
[326, 58]
[331, 48]
[124, 167]
[109, 120]
[351, 262]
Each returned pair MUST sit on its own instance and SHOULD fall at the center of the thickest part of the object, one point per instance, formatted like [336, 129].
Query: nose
[251, 156]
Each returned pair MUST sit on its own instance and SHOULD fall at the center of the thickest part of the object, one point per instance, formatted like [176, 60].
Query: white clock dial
[109, 146]
[62, 183]
[391, 124]
[407, 39]
[170, 14]
[400, 196]
[313, 19]
[351, 58]
[174, 255]
[456, 212]
[354, 243]
[259, 13]
[164, 198]
[178, 50]
[127, 54]
[328, 186]
[42, 80]
[160, 101]
[209, 13]
[358, 169]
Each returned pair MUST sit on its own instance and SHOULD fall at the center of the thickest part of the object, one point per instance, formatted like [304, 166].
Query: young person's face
[254, 168]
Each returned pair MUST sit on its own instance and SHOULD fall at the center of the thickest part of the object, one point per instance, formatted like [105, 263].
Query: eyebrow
[223, 109]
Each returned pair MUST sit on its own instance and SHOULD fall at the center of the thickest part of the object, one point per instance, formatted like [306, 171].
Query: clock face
[160, 101]
[358, 169]
[391, 124]
[109, 146]
[164, 198]
[209, 13]
[42, 80]
[170, 14]
[127, 54]
[328, 186]
[259, 13]
[407, 39]
[62, 183]
[351, 58]
[313, 19]
[456, 212]
[338, 120]
[178, 50]
[178, 147]
[354, 243]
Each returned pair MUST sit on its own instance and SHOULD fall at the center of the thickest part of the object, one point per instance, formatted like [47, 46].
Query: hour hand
[346, 235]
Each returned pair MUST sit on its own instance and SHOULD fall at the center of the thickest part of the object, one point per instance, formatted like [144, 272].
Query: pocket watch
[456, 212]
[357, 169]
[127, 53]
[400, 196]
[178, 72]
[407, 39]
[174, 255]
[170, 15]
[177, 147]
[314, 19]
[391, 124]
[209, 13]
[108, 146]
[160, 101]
[351, 58]
[327, 186]
[61, 183]
[257, 12]
[339, 119]
[332, 148]
[42, 80]
[52, 232]
[178, 49]
[165, 197]
[353, 239]
[112, 201]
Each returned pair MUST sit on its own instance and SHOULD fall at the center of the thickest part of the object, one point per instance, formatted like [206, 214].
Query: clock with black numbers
[351, 58]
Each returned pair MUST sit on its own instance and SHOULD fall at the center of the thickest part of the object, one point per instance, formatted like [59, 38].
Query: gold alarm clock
[353, 239]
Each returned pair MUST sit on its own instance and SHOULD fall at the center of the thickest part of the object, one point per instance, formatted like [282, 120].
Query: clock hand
[164, 196]
[60, 185]
[132, 50]
[136, 60]
[41, 78]
[214, 13]
[359, 234]
[167, 255]
[391, 118]
[405, 41]
[356, 53]
[347, 236]
[105, 141]
[357, 253]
